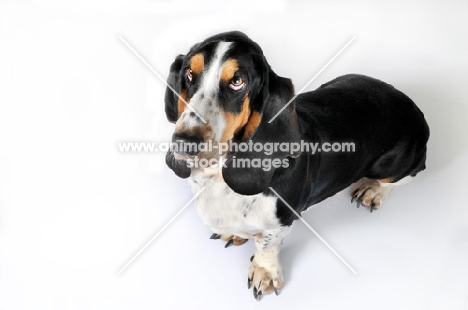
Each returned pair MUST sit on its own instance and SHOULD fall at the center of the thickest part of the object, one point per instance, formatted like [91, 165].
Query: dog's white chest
[226, 212]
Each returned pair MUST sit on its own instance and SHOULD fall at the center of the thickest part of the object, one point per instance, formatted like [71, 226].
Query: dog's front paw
[265, 276]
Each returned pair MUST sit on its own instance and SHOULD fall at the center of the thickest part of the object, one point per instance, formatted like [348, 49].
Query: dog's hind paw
[370, 194]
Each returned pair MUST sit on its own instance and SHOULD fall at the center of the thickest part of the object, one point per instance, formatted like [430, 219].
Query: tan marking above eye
[228, 70]
[197, 63]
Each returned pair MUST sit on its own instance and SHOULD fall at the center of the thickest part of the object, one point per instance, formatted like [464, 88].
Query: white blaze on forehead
[211, 78]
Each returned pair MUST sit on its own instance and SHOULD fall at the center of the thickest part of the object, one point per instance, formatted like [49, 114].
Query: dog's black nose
[186, 145]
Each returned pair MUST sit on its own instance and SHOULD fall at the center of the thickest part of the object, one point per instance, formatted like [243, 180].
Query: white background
[73, 210]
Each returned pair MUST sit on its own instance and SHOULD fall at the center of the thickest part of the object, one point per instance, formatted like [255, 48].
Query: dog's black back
[388, 130]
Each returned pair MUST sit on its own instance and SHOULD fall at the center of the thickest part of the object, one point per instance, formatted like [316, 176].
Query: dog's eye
[236, 83]
[189, 74]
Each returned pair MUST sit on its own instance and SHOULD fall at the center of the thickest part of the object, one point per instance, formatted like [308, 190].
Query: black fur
[178, 166]
[174, 81]
[389, 132]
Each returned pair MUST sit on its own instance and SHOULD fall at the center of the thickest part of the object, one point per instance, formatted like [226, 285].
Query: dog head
[224, 91]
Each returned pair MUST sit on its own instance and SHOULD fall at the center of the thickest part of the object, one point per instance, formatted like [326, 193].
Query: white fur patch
[212, 76]
[226, 212]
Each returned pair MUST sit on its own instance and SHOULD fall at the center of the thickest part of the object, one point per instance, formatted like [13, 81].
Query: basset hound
[223, 91]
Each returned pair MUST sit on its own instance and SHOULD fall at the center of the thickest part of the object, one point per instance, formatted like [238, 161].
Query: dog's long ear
[274, 94]
[172, 101]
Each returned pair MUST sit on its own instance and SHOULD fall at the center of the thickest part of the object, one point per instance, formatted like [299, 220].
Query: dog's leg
[372, 193]
[265, 272]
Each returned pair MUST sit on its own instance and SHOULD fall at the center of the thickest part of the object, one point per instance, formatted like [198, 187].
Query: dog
[223, 91]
